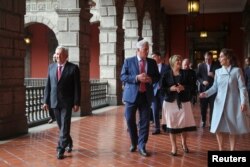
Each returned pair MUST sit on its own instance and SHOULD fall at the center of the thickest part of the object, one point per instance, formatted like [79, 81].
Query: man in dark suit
[158, 96]
[247, 76]
[205, 76]
[62, 93]
[138, 74]
[186, 66]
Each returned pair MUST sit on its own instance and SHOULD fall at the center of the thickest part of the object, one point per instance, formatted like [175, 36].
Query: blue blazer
[128, 75]
[67, 91]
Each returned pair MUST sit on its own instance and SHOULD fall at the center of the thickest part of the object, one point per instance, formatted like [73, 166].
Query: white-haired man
[62, 94]
[138, 74]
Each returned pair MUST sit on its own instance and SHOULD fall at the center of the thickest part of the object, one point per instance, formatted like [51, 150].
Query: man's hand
[76, 108]
[243, 107]
[144, 78]
[45, 107]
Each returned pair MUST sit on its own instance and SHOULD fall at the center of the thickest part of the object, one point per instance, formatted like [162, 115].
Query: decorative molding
[39, 6]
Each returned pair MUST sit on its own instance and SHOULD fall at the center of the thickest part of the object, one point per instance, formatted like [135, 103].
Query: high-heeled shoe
[185, 149]
[173, 153]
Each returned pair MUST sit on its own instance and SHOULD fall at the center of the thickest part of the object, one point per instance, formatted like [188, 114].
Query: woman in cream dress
[176, 109]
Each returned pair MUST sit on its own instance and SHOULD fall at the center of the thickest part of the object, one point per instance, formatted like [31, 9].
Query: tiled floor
[101, 140]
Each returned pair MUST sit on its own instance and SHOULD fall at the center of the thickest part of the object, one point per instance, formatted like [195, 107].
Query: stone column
[13, 120]
[130, 24]
[73, 27]
[108, 39]
[108, 60]
[147, 31]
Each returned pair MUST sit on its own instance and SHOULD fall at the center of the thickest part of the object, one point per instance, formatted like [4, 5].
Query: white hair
[141, 43]
[64, 49]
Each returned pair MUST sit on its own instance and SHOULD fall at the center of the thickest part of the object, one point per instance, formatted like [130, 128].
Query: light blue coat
[231, 93]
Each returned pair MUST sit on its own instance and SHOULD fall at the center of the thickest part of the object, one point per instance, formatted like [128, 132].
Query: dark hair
[140, 38]
[209, 54]
[229, 53]
[156, 53]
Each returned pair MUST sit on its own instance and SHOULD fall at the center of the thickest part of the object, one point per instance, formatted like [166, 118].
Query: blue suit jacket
[67, 91]
[129, 72]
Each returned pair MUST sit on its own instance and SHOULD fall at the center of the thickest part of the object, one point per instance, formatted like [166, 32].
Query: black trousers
[63, 119]
[204, 102]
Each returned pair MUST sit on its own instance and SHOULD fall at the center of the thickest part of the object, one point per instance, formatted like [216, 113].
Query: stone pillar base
[13, 127]
[112, 99]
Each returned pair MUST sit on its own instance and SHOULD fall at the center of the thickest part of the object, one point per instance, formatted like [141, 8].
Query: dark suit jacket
[185, 80]
[164, 69]
[129, 72]
[247, 77]
[202, 75]
[67, 91]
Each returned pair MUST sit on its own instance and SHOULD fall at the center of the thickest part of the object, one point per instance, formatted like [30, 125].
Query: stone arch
[147, 32]
[43, 20]
[35, 31]
[130, 25]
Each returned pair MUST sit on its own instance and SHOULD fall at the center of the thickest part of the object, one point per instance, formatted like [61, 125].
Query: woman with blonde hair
[177, 111]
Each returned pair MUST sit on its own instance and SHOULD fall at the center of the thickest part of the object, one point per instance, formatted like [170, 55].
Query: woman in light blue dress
[231, 111]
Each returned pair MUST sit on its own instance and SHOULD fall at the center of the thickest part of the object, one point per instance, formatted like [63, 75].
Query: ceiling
[210, 6]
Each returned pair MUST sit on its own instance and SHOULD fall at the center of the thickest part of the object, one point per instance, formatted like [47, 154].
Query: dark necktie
[59, 72]
[142, 87]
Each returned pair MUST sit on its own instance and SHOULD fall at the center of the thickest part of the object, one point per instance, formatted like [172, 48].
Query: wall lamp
[193, 7]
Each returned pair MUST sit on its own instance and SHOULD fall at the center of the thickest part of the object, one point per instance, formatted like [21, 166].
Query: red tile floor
[101, 140]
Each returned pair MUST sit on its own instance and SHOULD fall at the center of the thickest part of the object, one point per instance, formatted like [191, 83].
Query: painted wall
[177, 25]
[39, 51]
[94, 51]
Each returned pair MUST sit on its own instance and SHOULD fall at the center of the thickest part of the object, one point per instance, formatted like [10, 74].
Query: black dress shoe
[203, 124]
[60, 155]
[132, 148]
[143, 152]
[51, 121]
[156, 132]
[69, 149]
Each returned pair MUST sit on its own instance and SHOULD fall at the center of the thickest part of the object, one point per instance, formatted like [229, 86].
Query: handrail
[35, 93]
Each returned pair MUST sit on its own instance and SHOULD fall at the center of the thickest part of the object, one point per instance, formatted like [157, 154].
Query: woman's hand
[203, 95]
[177, 88]
[243, 107]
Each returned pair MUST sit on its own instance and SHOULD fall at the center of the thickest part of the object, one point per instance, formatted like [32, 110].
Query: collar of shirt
[159, 67]
[139, 58]
[62, 65]
[145, 61]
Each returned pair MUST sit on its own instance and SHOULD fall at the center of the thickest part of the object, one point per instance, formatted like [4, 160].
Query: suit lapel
[54, 71]
[136, 64]
[64, 71]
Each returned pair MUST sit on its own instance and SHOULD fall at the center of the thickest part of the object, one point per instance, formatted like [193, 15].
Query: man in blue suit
[158, 97]
[138, 74]
[62, 94]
